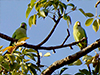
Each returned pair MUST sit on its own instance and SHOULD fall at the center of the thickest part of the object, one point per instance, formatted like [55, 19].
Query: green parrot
[20, 32]
[79, 33]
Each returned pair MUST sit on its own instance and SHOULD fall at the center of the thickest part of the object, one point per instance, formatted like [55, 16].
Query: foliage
[50, 8]
[94, 20]
[16, 62]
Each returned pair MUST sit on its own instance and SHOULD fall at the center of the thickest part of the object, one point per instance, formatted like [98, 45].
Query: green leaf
[37, 6]
[95, 26]
[30, 50]
[86, 57]
[19, 59]
[11, 58]
[32, 66]
[31, 55]
[6, 64]
[33, 71]
[47, 54]
[30, 21]
[24, 68]
[89, 14]
[1, 58]
[34, 19]
[32, 2]
[29, 10]
[97, 67]
[62, 70]
[42, 13]
[89, 21]
[98, 20]
[1, 46]
[81, 10]
[69, 21]
[61, 8]
[40, 54]
[65, 17]
[70, 4]
[15, 66]
[84, 71]
[55, 4]
[79, 74]
[99, 15]
[74, 8]
[77, 62]
[46, 11]
[49, 3]
[63, 5]
[89, 61]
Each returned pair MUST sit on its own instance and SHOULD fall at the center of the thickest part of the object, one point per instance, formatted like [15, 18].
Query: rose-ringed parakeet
[19, 33]
[79, 33]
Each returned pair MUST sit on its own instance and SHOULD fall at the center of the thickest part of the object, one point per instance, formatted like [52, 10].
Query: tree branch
[50, 32]
[7, 37]
[52, 47]
[41, 47]
[66, 37]
[71, 58]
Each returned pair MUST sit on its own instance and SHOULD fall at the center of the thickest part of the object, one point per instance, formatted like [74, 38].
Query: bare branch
[41, 48]
[50, 32]
[71, 58]
[7, 37]
[66, 37]
[38, 62]
[52, 47]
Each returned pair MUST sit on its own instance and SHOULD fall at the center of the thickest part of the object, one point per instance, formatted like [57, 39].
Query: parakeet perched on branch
[20, 32]
[79, 33]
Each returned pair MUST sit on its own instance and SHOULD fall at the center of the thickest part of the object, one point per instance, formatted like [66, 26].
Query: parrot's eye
[23, 24]
[78, 24]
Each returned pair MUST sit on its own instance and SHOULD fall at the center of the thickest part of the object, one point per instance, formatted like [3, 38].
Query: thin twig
[54, 51]
[66, 37]
[89, 68]
[52, 18]
[38, 62]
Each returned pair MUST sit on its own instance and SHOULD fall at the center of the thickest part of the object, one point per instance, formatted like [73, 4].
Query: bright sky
[12, 13]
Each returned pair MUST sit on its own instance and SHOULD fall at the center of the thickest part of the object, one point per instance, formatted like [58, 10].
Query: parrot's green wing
[18, 34]
[79, 33]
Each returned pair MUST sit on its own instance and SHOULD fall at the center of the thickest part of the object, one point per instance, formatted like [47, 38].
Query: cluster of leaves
[93, 19]
[16, 62]
[43, 8]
